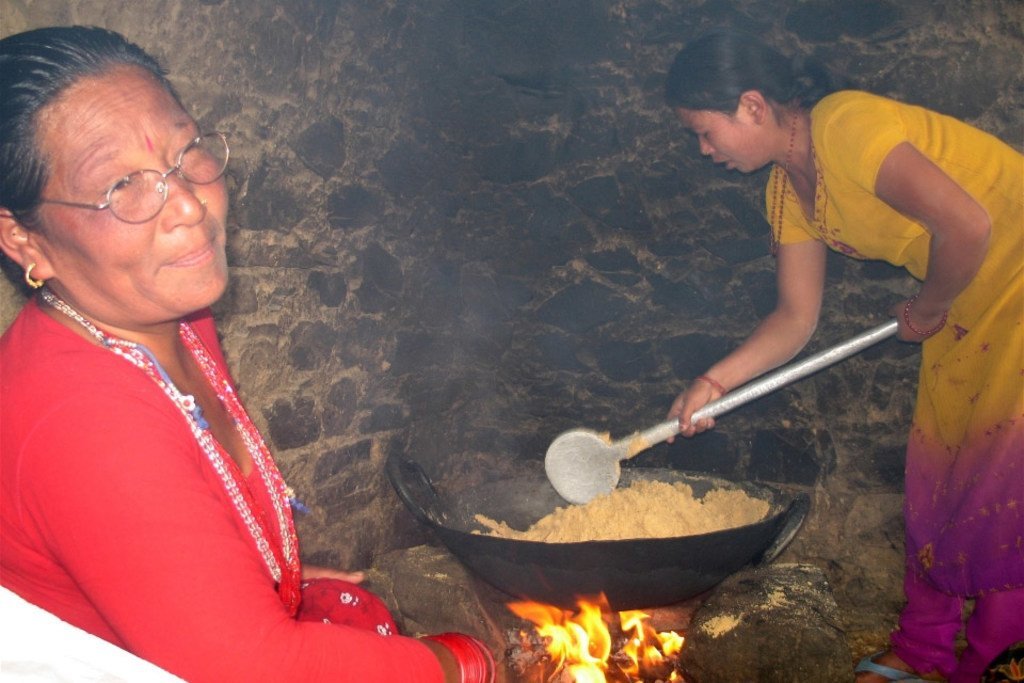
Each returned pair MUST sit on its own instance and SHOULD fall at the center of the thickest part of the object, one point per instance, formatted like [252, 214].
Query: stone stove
[775, 623]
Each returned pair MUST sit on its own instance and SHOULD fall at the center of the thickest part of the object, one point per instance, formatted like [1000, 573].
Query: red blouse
[112, 518]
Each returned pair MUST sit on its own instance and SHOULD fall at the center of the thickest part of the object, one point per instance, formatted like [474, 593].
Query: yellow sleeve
[853, 132]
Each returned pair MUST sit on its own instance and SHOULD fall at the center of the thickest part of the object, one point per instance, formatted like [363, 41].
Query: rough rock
[774, 624]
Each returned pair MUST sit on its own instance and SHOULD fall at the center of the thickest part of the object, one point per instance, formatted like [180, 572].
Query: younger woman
[873, 178]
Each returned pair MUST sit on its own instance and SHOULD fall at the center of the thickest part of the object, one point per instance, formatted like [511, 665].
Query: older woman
[139, 501]
[873, 178]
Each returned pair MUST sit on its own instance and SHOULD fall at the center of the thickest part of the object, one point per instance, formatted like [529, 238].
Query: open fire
[593, 645]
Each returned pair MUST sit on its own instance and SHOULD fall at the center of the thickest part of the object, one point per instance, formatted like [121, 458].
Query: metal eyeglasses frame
[161, 186]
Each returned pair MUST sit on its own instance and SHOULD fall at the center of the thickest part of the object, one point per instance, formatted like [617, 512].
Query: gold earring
[31, 281]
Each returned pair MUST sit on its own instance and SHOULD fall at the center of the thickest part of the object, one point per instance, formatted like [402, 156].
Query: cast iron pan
[632, 574]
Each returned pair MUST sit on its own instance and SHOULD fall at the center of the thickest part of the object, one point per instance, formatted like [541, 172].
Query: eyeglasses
[139, 196]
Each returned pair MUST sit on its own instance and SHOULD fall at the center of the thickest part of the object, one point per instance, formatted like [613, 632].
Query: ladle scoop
[582, 464]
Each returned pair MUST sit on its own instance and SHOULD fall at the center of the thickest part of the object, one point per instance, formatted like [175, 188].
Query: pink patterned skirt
[333, 601]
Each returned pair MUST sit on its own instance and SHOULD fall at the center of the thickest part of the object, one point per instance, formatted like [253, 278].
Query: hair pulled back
[35, 68]
[713, 71]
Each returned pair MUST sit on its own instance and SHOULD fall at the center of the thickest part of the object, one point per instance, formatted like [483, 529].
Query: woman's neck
[797, 151]
[149, 334]
[162, 339]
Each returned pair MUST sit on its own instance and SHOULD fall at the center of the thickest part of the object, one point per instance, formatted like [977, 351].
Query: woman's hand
[313, 572]
[696, 396]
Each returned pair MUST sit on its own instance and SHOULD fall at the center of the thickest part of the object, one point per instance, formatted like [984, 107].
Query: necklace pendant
[294, 502]
[188, 402]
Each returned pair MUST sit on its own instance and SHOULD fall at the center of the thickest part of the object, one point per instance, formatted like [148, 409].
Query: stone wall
[459, 228]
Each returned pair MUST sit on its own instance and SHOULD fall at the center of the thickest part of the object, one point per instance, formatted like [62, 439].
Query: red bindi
[149, 144]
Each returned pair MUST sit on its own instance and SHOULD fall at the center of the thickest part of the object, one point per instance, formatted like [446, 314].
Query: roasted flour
[646, 509]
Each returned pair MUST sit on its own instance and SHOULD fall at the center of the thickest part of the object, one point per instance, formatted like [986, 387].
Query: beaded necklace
[281, 560]
[819, 222]
[779, 183]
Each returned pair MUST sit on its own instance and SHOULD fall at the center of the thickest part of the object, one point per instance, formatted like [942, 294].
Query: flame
[581, 644]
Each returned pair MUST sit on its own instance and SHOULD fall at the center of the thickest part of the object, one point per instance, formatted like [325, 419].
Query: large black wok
[630, 573]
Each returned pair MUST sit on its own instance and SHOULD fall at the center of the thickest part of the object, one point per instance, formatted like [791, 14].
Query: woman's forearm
[782, 333]
[958, 225]
[954, 257]
[777, 339]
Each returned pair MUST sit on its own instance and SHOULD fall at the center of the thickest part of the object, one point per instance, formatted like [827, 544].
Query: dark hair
[715, 69]
[35, 68]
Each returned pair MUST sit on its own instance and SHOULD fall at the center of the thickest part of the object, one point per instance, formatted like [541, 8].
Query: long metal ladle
[582, 464]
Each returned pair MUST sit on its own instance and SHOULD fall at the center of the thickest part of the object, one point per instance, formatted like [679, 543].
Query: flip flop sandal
[867, 665]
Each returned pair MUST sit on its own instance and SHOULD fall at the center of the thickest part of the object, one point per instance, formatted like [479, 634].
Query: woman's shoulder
[862, 127]
[36, 345]
[50, 371]
[38, 349]
[847, 110]
[855, 103]
[852, 131]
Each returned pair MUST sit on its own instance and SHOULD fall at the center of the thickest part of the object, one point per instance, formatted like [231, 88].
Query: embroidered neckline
[818, 222]
[829, 233]
[281, 560]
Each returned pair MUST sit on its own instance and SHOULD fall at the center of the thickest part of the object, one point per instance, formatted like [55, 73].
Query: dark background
[460, 227]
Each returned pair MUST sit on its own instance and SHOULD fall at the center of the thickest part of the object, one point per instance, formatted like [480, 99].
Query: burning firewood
[592, 646]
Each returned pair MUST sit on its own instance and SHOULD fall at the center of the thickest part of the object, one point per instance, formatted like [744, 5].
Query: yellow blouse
[983, 343]
[852, 133]
[965, 450]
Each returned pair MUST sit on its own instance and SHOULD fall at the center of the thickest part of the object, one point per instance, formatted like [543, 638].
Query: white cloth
[37, 646]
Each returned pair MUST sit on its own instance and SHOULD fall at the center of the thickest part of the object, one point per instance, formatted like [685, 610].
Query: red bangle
[925, 333]
[713, 383]
[476, 663]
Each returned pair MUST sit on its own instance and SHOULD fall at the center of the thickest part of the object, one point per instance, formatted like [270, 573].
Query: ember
[592, 646]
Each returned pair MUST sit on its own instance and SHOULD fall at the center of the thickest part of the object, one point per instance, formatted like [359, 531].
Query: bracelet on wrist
[713, 383]
[910, 326]
[476, 663]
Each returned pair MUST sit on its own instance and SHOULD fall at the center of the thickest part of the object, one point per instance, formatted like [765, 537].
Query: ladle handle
[771, 382]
